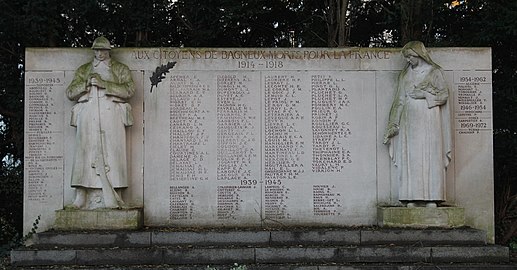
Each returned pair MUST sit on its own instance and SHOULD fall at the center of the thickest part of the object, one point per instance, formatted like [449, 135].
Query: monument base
[421, 217]
[99, 219]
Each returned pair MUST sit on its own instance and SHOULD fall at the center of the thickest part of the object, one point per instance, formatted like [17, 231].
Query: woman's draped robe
[421, 151]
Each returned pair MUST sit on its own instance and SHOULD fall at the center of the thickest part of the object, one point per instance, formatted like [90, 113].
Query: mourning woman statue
[419, 131]
[101, 89]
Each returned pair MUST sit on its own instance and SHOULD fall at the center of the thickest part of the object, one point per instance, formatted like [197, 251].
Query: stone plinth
[99, 219]
[421, 217]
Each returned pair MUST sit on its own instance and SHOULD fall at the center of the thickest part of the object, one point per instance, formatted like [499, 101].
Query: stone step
[417, 266]
[324, 247]
[261, 255]
[369, 236]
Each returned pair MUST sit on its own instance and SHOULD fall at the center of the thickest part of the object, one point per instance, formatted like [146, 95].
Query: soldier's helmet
[101, 43]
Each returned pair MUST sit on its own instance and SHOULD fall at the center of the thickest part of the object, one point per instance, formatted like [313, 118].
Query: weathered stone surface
[343, 254]
[316, 237]
[305, 255]
[420, 266]
[398, 247]
[211, 238]
[118, 256]
[99, 219]
[93, 239]
[366, 236]
[421, 217]
[434, 236]
[391, 266]
[209, 256]
[43, 257]
[484, 254]
[395, 254]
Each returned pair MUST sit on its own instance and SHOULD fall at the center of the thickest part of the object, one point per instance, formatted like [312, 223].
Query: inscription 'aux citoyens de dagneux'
[261, 54]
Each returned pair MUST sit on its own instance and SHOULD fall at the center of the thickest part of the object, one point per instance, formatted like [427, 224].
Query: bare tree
[336, 16]
[416, 20]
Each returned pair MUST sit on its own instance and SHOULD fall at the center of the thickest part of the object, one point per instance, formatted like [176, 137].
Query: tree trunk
[140, 38]
[343, 34]
[336, 17]
[412, 21]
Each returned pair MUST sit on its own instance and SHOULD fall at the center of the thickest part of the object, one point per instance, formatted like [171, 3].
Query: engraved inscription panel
[249, 147]
[43, 161]
[188, 134]
[473, 112]
[314, 124]
[43, 171]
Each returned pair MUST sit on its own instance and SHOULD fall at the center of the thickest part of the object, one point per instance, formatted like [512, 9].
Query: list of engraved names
[260, 133]
[44, 131]
[473, 113]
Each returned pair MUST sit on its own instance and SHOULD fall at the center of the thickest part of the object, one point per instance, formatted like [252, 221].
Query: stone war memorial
[120, 138]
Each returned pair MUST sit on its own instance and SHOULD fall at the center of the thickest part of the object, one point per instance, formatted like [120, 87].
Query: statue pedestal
[99, 219]
[421, 217]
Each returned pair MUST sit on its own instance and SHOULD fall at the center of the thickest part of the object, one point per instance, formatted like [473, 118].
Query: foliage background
[258, 23]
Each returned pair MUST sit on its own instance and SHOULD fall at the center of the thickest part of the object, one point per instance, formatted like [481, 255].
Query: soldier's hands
[96, 80]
